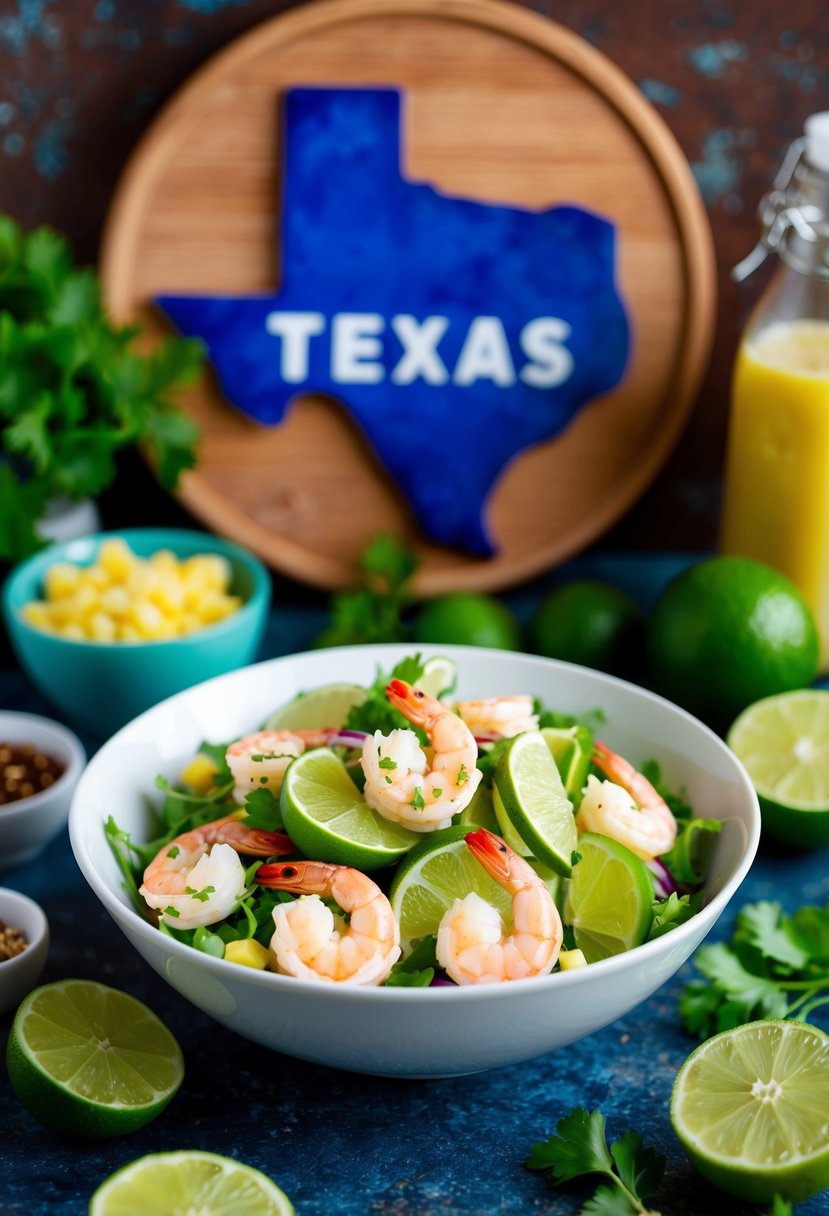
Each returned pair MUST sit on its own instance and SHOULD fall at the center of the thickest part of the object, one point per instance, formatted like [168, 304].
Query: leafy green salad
[394, 835]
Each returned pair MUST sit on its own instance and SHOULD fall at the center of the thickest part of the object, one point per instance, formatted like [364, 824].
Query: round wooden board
[503, 106]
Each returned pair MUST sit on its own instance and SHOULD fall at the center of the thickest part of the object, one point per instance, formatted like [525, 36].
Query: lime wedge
[328, 819]
[609, 899]
[750, 1107]
[533, 796]
[328, 705]
[438, 871]
[783, 741]
[167, 1184]
[571, 748]
[88, 1060]
[438, 676]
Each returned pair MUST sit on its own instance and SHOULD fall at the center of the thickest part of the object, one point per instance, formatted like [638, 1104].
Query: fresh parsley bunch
[775, 966]
[73, 391]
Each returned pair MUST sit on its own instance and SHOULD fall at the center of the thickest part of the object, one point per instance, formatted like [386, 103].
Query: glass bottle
[776, 490]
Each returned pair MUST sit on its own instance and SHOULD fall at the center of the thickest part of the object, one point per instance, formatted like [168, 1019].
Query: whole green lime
[726, 632]
[591, 623]
[467, 618]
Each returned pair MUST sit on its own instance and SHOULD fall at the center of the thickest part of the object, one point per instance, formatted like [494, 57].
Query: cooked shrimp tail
[262, 759]
[310, 942]
[475, 947]
[498, 717]
[421, 789]
[198, 879]
[646, 825]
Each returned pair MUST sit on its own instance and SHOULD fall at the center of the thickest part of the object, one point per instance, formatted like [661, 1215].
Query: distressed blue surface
[346, 1145]
[359, 241]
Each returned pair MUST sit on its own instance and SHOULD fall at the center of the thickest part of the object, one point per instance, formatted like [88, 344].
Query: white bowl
[28, 825]
[409, 1032]
[19, 975]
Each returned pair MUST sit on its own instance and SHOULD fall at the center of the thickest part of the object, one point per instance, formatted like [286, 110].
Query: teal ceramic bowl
[99, 686]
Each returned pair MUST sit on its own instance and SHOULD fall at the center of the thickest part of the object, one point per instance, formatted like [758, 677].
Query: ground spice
[24, 771]
[12, 942]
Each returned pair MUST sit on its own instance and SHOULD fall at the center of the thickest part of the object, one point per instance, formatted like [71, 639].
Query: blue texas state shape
[456, 333]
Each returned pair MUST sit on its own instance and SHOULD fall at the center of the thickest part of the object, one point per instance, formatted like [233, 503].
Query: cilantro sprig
[373, 611]
[774, 966]
[73, 390]
[579, 1148]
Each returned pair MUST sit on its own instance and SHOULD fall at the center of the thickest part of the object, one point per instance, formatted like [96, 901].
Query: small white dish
[412, 1032]
[27, 826]
[20, 974]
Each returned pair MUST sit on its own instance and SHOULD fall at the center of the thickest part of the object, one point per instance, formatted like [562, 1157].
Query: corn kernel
[128, 633]
[146, 618]
[100, 627]
[216, 607]
[249, 953]
[97, 577]
[209, 569]
[571, 960]
[117, 558]
[164, 560]
[82, 604]
[73, 633]
[116, 601]
[168, 594]
[37, 614]
[61, 580]
[199, 773]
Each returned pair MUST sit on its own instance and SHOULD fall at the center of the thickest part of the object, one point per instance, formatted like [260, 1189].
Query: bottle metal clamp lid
[786, 216]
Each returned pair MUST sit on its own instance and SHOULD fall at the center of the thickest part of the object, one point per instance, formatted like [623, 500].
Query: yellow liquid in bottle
[777, 472]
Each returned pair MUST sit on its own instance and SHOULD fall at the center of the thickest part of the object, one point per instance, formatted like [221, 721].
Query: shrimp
[311, 943]
[261, 759]
[405, 784]
[473, 946]
[197, 879]
[498, 717]
[646, 826]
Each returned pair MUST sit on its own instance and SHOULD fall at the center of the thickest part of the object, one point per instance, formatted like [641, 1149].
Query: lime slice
[438, 871]
[88, 1060]
[609, 899]
[750, 1107]
[533, 796]
[438, 676]
[328, 705]
[571, 749]
[168, 1184]
[328, 819]
[783, 741]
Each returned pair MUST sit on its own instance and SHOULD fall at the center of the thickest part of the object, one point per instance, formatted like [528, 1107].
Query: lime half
[530, 788]
[328, 705]
[168, 1184]
[609, 899]
[328, 819]
[750, 1107]
[783, 741]
[438, 871]
[88, 1060]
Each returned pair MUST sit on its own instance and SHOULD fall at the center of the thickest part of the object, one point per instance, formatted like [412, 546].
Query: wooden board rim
[651, 133]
